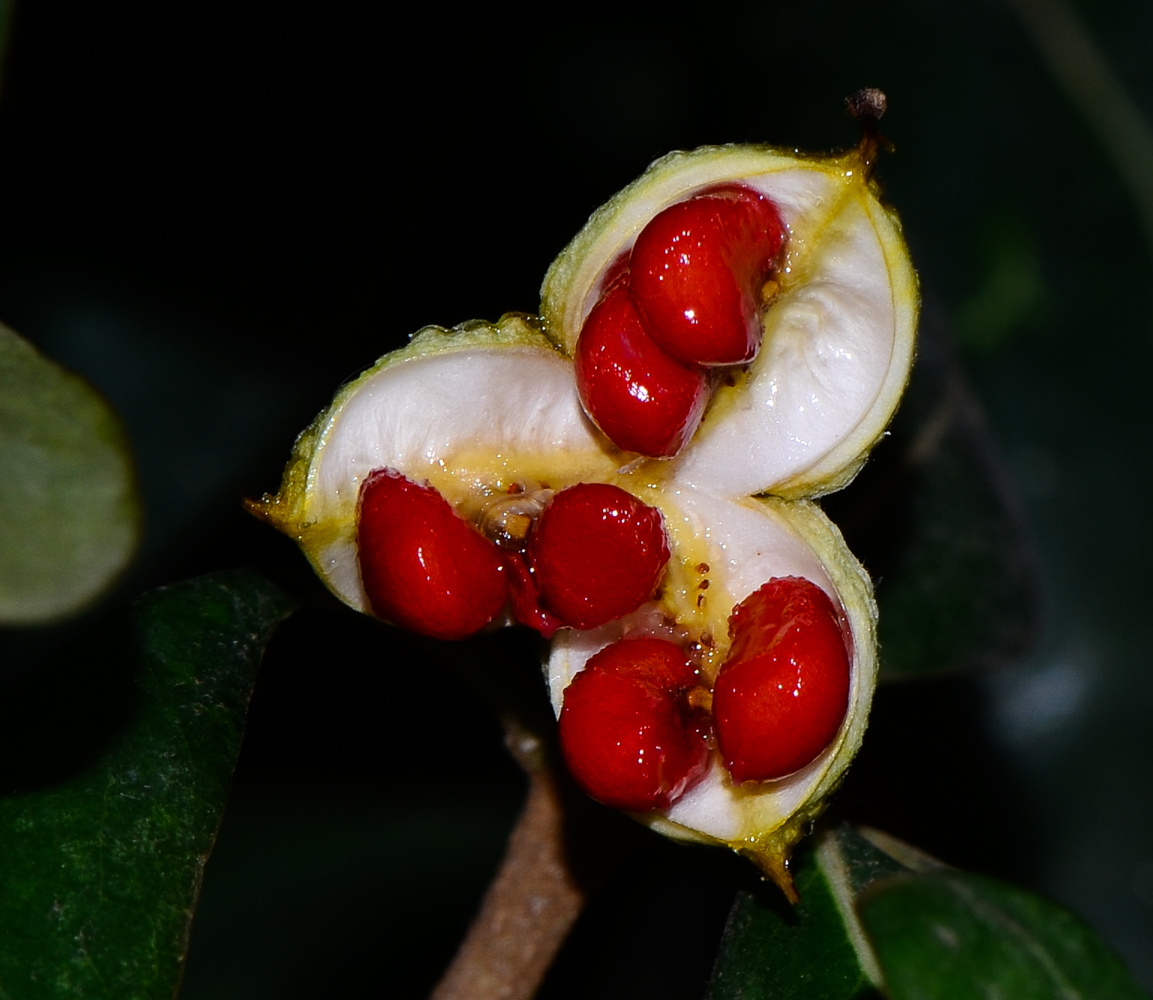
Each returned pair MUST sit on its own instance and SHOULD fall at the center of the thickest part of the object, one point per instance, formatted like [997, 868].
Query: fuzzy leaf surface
[115, 761]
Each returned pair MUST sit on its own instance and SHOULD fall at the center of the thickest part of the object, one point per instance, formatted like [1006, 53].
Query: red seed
[422, 566]
[696, 274]
[597, 553]
[525, 599]
[629, 736]
[642, 398]
[782, 692]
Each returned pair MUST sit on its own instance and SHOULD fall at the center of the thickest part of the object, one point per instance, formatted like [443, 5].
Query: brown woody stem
[531, 904]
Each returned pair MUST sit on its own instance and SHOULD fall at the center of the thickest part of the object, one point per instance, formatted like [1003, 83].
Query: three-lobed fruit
[796, 421]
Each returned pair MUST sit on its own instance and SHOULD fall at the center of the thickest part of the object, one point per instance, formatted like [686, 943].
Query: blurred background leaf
[937, 521]
[117, 759]
[68, 498]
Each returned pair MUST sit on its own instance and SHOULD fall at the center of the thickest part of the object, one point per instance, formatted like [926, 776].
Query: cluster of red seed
[640, 721]
[635, 729]
[594, 554]
[685, 300]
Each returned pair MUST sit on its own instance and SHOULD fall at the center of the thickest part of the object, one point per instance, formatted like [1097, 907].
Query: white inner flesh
[827, 350]
[829, 338]
[434, 416]
[746, 545]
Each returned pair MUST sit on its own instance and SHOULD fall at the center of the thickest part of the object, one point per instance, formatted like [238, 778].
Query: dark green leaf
[67, 497]
[937, 524]
[875, 910]
[115, 761]
[771, 951]
[949, 935]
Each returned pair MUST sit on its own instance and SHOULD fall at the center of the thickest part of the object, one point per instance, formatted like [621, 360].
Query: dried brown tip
[867, 106]
[868, 103]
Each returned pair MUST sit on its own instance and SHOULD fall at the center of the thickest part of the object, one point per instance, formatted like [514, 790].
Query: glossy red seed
[697, 270]
[628, 734]
[642, 398]
[782, 692]
[597, 553]
[422, 566]
[525, 599]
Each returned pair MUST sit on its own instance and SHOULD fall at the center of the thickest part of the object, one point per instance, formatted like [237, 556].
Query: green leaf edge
[41, 956]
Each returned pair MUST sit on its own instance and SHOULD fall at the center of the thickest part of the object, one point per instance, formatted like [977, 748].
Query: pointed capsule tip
[268, 509]
[775, 867]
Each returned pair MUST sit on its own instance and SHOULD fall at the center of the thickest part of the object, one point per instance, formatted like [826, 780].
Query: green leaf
[935, 520]
[116, 758]
[949, 935]
[875, 911]
[68, 499]
[771, 951]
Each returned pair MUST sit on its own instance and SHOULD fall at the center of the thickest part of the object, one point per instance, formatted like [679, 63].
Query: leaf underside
[115, 761]
[68, 498]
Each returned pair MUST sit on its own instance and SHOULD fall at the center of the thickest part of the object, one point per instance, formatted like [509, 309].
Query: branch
[532, 903]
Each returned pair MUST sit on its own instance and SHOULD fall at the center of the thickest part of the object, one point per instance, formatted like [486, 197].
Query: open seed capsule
[501, 425]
